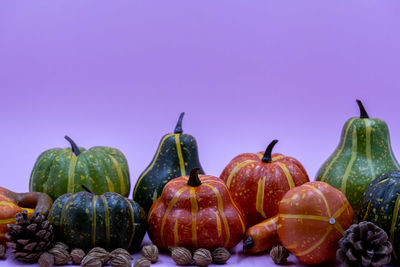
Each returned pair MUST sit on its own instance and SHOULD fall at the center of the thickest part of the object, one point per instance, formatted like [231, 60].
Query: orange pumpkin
[258, 182]
[11, 203]
[196, 211]
[262, 236]
[312, 218]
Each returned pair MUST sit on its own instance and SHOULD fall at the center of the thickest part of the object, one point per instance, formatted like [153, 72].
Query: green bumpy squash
[176, 156]
[85, 220]
[364, 152]
[59, 171]
[381, 204]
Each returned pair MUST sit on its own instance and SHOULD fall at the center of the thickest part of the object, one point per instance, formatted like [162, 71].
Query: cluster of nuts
[96, 257]
[149, 256]
[201, 257]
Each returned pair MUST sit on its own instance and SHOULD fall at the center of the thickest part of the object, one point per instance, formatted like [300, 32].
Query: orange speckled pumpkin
[312, 218]
[196, 211]
[258, 182]
[11, 203]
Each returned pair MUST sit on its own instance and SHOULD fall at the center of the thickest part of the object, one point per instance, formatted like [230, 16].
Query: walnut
[220, 255]
[91, 261]
[150, 252]
[120, 258]
[202, 257]
[99, 253]
[181, 256]
[46, 260]
[142, 262]
[77, 255]
[61, 256]
[279, 254]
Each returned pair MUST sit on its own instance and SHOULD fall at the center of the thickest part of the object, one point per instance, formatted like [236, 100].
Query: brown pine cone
[364, 245]
[30, 237]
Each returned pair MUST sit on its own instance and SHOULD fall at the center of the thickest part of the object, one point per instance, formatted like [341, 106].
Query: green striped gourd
[176, 156]
[85, 220]
[381, 204]
[364, 152]
[59, 171]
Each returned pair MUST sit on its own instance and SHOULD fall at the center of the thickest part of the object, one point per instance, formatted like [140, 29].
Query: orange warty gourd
[196, 211]
[312, 218]
[11, 203]
[258, 182]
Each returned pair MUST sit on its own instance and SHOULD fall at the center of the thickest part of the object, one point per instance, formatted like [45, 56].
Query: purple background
[118, 73]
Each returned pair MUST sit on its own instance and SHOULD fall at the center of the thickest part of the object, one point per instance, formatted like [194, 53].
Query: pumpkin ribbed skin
[258, 186]
[312, 218]
[59, 171]
[203, 216]
[83, 220]
[364, 152]
[176, 156]
[8, 210]
[381, 204]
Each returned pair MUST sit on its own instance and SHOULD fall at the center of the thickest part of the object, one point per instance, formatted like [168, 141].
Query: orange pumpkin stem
[178, 128]
[74, 147]
[194, 179]
[267, 158]
[363, 113]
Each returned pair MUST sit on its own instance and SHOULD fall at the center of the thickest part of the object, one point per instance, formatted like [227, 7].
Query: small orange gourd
[262, 236]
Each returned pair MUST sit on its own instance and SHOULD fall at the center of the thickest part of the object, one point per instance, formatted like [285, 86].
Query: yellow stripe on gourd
[71, 172]
[221, 212]
[323, 178]
[152, 163]
[289, 177]
[170, 206]
[260, 197]
[219, 226]
[117, 167]
[368, 146]
[106, 219]
[132, 222]
[94, 221]
[313, 247]
[180, 156]
[351, 162]
[393, 225]
[235, 170]
[316, 190]
[176, 235]
[4, 221]
[305, 217]
[195, 209]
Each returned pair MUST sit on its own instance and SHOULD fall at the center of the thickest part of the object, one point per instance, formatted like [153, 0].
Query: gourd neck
[267, 158]
[178, 127]
[194, 179]
[74, 147]
[363, 112]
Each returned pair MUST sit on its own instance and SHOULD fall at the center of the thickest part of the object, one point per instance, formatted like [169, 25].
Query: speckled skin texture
[258, 186]
[176, 156]
[59, 171]
[380, 205]
[204, 216]
[83, 220]
[364, 153]
[312, 218]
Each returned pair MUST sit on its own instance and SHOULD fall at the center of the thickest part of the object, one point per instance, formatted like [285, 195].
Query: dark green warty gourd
[176, 156]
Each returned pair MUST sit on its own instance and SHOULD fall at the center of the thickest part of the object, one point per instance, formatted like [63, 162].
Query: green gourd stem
[178, 128]
[87, 189]
[363, 113]
[74, 147]
[248, 243]
[194, 179]
[267, 158]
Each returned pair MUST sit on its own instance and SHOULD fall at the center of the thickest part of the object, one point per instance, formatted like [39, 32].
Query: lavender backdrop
[118, 73]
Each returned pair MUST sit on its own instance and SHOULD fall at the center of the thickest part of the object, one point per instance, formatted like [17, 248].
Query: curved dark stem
[194, 179]
[267, 158]
[87, 189]
[248, 243]
[363, 113]
[74, 147]
[178, 128]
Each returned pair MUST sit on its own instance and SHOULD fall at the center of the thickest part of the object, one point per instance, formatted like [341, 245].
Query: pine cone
[364, 245]
[30, 237]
